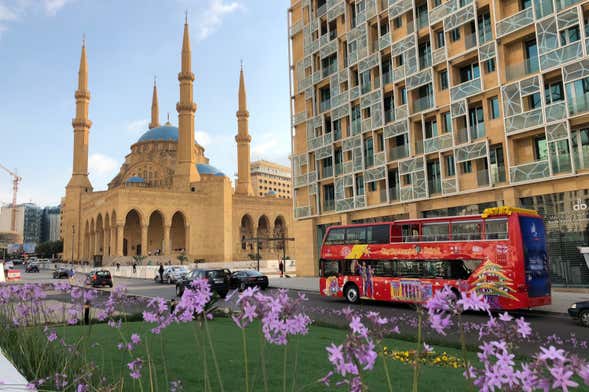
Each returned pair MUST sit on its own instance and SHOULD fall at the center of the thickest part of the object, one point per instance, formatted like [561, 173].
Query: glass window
[496, 229]
[398, 22]
[431, 129]
[383, 268]
[534, 101]
[443, 80]
[359, 185]
[329, 268]
[490, 65]
[450, 169]
[466, 231]
[365, 81]
[467, 167]
[403, 96]
[440, 40]
[455, 34]
[379, 234]
[525, 4]
[569, 35]
[540, 148]
[410, 232]
[447, 122]
[435, 231]
[336, 236]
[553, 92]
[494, 107]
[356, 235]
[408, 268]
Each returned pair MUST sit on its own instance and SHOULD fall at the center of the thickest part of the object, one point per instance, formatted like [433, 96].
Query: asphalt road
[549, 328]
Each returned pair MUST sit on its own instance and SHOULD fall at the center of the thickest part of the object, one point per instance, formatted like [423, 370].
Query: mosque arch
[85, 254]
[178, 232]
[155, 233]
[263, 230]
[132, 234]
[106, 251]
[98, 249]
[92, 244]
[280, 231]
[246, 230]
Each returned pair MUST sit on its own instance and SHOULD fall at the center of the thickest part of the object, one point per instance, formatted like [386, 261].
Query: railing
[324, 106]
[515, 22]
[321, 10]
[422, 20]
[387, 77]
[519, 70]
[556, 111]
[579, 104]
[338, 169]
[419, 146]
[477, 131]
[398, 152]
[425, 61]
[327, 171]
[470, 40]
[483, 177]
[530, 119]
[462, 136]
[328, 205]
[437, 143]
[529, 171]
[384, 41]
[393, 193]
[561, 163]
[356, 126]
[383, 195]
[301, 212]
[434, 186]
[466, 89]
[497, 174]
[389, 115]
[423, 103]
[330, 69]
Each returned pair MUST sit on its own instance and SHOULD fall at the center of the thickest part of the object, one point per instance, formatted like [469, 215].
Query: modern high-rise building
[271, 179]
[50, 224]
[28, 223]
[440, 107]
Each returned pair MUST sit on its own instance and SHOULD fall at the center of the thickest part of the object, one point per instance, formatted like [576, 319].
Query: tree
[182, 258]
[49, 249]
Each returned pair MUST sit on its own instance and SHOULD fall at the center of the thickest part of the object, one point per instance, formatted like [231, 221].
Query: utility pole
[73, 236]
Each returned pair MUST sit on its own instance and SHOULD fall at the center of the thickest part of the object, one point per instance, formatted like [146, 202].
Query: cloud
[102, 165]
[137, 126]
[13, 11]
[53, 6]
[203, 138]
[7, 14]
[212, 18]
[271, 147]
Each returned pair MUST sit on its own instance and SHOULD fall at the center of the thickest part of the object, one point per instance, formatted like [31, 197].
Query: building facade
[432, 107]
[272, 179]
[167, 200]
[28, 223]
[51, 224]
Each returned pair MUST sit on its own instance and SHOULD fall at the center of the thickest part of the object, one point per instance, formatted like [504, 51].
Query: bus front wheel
[352, 293]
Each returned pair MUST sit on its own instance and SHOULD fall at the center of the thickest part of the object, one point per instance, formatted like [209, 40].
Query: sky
[128, 42]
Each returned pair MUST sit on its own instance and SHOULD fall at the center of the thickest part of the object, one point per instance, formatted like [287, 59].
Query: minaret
[243, 139]
[81, 124]
[155, 111]
[186, 172]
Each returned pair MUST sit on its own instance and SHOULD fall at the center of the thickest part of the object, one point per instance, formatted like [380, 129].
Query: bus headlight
[574, 306]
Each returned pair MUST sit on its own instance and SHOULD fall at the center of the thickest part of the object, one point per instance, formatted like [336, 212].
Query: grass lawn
[177, 355]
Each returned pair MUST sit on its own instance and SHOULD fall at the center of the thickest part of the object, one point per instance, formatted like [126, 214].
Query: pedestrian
[118, 266]
[281, 268]
[161, 270]
[134, 267]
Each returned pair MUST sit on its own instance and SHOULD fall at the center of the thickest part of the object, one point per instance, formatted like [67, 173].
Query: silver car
[173, 274]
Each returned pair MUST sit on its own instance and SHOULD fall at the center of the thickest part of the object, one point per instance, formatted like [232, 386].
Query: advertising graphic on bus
[500, 254]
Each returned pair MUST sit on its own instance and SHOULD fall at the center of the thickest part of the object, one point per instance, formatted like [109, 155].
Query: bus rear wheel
[352, 293]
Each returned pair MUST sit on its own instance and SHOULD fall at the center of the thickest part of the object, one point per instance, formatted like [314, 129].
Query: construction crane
[15, 180]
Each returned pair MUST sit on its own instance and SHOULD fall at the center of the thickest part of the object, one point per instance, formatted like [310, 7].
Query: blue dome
[271, 193]
[203, 168]
[165, 132]
[135, 180]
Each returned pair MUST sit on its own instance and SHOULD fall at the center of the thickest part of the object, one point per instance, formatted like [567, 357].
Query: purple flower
[523, 327]
[552, 353]
[136, 339]
[135, 368]
[427, 348]
[505, 317]
[473, 301]
[562, 378]
[357, 327]
[82, 388]
[325, 380]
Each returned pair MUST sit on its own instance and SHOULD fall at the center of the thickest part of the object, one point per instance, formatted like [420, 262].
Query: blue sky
[128, 42]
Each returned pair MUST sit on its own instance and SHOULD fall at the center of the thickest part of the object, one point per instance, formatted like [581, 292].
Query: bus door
[535, 256]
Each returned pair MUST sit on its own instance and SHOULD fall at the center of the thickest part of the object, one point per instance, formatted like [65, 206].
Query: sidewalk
[11, 378]
[561, 300]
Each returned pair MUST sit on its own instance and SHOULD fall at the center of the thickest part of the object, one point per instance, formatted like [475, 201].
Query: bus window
[383, 268]
[435, 231]
[466, 230]
[471, 265]
[408, 268]
[410, 233]
[356, 235]
[496, 229]
[379, 234]
[336, 236]
[397, 235]
[329, 268]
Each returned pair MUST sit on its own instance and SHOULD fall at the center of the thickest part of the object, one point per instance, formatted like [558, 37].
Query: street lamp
[73, 234]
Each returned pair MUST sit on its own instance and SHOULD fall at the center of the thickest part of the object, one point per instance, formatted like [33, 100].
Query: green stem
[263, 357]
[386, 372]
[219, 380]
[463, 349]
[247, 381]
[415, 386]
[296, 361]
[284, 368]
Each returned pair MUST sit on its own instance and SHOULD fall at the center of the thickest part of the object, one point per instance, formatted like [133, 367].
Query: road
[548, 327]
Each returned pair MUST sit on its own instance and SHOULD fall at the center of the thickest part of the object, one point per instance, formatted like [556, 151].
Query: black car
[248, 278]
[219, 280]
[32, 267]
[100, 278]
[580, 311]
[60, 273]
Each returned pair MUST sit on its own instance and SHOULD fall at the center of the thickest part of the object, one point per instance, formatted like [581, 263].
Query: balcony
[434, 186]
[338, 169]
[425, 61]
[521, 69]
[356, 126]
[437, 143]
[466, 89]
[398, 152]
[579, 104]
[515, 22]
[328, 205]
[530, 171]
[387, 77]
[526, 120]
[321, 10]
[330, 69]
[422, 21]
[324, 106]
[327, 172]
[555, 112]
[423, 103]
[462, 136]
[470, 41]
[497, 174]
[477, 131]
[561, 163]
[483, 177]
[383, 195]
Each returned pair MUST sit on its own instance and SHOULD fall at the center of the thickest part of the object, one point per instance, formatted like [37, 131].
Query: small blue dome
[165, 132]
[271, 193]
[135, 180]
[203, 168]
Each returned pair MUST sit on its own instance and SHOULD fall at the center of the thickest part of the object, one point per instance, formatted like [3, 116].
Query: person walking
[134, 267]
[161, 270]
[281, 268]
[118, 266]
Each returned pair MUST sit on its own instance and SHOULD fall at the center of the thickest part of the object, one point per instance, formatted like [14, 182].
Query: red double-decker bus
[500, 254]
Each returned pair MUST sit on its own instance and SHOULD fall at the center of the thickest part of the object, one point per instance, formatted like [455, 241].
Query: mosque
[167, 199]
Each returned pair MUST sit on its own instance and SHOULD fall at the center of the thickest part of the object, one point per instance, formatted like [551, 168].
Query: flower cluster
[279, 314]
[135, 367]
[426, 357]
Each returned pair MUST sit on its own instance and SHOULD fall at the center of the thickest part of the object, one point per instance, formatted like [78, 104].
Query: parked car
[100, 277]
[32, 267]
[248, 278]
[60, 273]
[173, 274]
[219, 280]
[9, 264]
[16, 262]
[580, 311]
